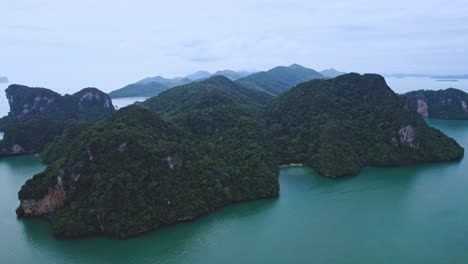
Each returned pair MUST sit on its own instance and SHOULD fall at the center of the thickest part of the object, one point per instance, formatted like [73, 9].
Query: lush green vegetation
[139, 90]
[138, 170]
[280, 79]
[340, 125]
[444, 104]
[200, 146]
[38, 115]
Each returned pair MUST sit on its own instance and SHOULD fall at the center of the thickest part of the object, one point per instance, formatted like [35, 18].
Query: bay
[413, 214]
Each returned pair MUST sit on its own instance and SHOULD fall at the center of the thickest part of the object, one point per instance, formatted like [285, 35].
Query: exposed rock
[422, 108]
[175, 160]
[38, 115]
[408, 136]
[444, 104]
[122, 147]
[17, 149]
[52, 200]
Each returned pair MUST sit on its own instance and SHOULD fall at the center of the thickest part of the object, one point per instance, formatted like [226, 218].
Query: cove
[414, 214]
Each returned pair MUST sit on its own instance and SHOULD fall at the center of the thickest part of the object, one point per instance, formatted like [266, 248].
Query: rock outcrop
[443, 104]
[38, 115]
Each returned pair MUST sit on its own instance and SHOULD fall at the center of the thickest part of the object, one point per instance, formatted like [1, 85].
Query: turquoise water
[412, 215]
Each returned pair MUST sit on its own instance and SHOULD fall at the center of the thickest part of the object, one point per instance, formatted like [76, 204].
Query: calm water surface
[412, 215]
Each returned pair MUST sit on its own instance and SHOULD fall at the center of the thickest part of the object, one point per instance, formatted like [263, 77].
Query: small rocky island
[38, 115]
[201, 146]
[3, 79]
[442, 104]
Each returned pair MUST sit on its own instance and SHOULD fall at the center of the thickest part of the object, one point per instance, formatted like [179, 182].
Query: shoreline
[291, 165]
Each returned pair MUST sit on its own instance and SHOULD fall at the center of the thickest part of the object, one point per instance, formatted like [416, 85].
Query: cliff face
[38, 115]
[87, 104]
[444, 104]
[338, 126]
[47, 204]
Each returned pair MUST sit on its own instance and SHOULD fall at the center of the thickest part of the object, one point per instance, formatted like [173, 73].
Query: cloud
[110, 43]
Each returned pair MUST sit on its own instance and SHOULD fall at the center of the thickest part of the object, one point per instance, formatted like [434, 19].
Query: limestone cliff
[443, 104]
[38, 115]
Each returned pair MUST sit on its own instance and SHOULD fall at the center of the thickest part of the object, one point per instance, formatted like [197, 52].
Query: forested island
[443, 104]
[142, 169]
[38, 115]
[203, 145]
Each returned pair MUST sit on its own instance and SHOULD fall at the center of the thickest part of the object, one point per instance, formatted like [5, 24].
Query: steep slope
[37, 115]
[140, 170]
[279, 79]
[139, 90]
[444, 104]
[338, 126]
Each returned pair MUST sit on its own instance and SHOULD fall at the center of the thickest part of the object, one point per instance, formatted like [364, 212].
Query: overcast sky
[67, 45]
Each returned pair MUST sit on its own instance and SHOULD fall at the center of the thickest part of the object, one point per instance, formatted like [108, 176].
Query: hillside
[339, 126]
[443, 104]
[139, 90]
[214, 90]
[279, 79]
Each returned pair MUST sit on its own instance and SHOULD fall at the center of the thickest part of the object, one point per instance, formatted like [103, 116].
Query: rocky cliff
[38, 115]
[443, 104]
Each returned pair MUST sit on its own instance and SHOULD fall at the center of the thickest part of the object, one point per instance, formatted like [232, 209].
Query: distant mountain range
[273, 82]
[153, 86]
[331, 73]
[443, 77]
[3, 79]
[279, 79]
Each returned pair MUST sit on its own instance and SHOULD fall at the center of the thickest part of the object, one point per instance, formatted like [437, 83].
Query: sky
[69, 45]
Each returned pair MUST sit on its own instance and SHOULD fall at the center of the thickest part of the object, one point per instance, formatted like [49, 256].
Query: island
[142, 169]
[38, 115]
[3, 79]
[339, 126]
[201, 146]
[442, 104]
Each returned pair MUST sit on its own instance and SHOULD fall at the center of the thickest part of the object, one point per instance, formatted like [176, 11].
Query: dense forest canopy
[140, 170]
[200, 146]
[340, 125]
